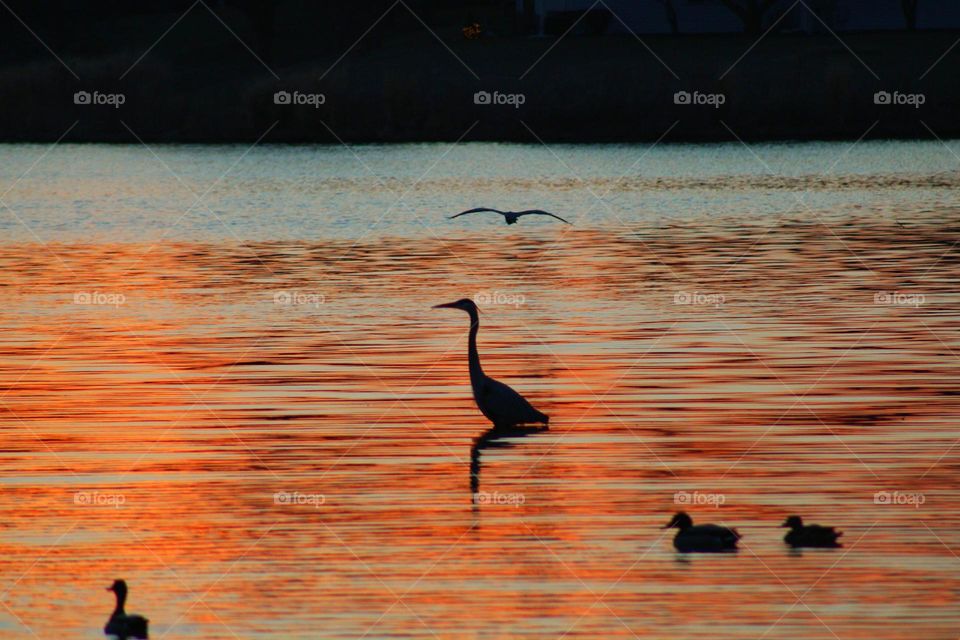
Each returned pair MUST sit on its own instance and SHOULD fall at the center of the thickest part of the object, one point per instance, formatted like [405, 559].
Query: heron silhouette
[121, 624]
[510, 217]
[501, 405]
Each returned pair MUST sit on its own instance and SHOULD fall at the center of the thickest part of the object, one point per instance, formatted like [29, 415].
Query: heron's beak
[449, 305]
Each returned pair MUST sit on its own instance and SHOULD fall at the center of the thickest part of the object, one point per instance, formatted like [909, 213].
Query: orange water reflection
[753, 362]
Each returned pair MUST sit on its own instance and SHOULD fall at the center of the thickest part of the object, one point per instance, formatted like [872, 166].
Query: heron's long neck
[472, 354]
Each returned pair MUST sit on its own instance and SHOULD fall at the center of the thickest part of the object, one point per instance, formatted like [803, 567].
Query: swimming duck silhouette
[704, 538]
[123, 625]
[809, 535]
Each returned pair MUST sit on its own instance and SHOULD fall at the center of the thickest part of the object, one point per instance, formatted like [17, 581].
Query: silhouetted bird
[502, 406]
[702, 537]
[510, 217]
[810, 535]
[121, 624]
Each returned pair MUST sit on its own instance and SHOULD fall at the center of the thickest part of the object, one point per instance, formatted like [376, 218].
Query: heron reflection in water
[505, 408]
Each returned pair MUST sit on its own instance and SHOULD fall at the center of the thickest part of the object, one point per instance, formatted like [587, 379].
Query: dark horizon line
[680, 140]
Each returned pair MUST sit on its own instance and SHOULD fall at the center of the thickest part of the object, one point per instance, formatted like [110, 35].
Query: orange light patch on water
[287, 427]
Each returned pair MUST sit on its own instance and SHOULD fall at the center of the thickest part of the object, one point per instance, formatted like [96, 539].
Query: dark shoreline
[608, 89]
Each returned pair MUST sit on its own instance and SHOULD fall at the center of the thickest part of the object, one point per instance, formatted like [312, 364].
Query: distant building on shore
[554, 17]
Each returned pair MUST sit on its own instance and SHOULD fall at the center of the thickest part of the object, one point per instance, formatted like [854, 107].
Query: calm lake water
[222, 381]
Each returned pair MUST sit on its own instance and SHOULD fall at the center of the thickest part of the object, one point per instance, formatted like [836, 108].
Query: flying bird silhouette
[510, 217]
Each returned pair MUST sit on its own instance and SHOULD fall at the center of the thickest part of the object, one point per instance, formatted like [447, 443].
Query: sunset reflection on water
[272, 439]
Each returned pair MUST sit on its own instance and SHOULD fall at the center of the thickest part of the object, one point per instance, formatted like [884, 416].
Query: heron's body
[810, 535]
[121, 624]
[510, 217]
[501, 405]
[704, 538]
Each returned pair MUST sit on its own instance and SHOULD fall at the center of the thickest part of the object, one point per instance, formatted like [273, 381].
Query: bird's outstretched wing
[478, 209]
[542, 213]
